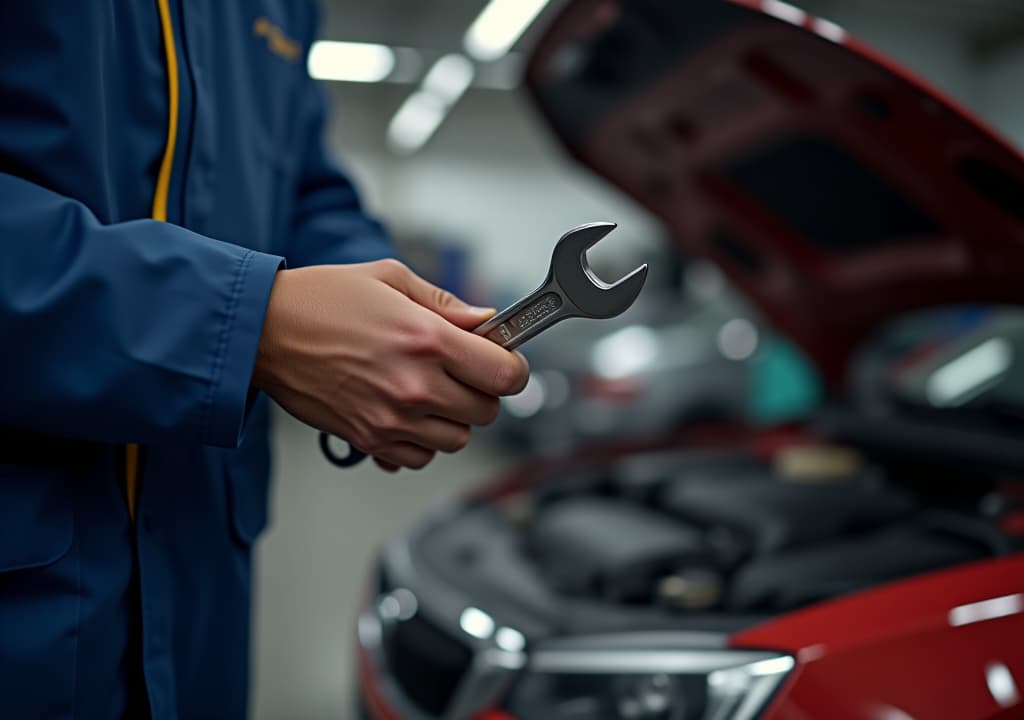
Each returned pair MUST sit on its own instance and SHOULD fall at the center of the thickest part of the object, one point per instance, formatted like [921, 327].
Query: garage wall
[493, 180]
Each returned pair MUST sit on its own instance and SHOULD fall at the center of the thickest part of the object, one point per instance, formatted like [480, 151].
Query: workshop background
[476, 194]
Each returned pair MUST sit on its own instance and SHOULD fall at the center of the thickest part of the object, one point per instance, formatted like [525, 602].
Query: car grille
[426, 662]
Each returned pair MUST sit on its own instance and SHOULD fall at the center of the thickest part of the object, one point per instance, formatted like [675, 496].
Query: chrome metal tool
[570, 290]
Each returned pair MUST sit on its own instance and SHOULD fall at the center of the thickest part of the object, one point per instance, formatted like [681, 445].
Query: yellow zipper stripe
[132, 451]
[163, 180]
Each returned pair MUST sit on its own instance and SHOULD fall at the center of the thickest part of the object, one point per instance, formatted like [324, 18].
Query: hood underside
[832, 187]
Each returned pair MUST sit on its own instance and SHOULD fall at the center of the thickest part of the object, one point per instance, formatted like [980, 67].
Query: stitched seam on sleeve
[217, 369]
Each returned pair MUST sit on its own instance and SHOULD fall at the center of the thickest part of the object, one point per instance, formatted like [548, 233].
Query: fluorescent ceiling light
[449, 77]
[961, 379]
[499, 25]
[350, 61]
[476, 623]
[418, 118]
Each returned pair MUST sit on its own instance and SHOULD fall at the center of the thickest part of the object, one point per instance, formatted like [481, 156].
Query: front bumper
[426, 653]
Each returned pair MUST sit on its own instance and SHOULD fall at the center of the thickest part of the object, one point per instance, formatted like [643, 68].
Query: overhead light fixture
[423, 112]
[416, 120]
[350, 61]
[499, 25]
[477, 623]
[449, 77]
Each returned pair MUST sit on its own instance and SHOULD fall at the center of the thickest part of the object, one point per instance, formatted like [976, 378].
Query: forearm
[125, 332]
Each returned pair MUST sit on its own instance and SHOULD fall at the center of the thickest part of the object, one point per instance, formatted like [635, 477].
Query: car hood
[835, 189]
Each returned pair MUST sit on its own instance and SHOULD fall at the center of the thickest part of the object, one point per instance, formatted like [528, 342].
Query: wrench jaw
[592, 296]
[625, 293]
[571, 289]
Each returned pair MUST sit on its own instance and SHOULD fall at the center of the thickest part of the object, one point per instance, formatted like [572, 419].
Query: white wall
[493, 179]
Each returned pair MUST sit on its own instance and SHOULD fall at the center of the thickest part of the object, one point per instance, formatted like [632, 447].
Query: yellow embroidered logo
[279, 43]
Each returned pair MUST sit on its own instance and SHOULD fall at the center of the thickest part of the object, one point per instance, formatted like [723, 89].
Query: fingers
[484, 365]
[437, 433]
[386, 466]
[471, 359]
[402, 454]
[462, 404]
[433, 298]
[430, 435]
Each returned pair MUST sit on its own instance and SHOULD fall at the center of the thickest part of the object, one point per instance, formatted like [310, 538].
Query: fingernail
[483, 310]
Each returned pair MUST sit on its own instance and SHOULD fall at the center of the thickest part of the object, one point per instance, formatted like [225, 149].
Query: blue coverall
[120, 328]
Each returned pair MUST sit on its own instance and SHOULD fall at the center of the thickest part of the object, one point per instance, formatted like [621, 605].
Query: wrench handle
[519, 322]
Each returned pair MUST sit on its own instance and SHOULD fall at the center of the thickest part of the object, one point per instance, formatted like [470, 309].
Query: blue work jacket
[159, 161]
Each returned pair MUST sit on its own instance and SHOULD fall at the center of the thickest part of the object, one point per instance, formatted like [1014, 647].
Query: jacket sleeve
[130, 332]
[329, 224]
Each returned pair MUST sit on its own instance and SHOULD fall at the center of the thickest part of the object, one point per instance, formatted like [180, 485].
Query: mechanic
[161, 164]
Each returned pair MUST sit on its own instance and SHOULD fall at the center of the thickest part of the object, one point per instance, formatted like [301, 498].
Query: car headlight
[584, 683]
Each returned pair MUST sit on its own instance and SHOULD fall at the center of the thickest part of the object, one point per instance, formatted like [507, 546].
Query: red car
[868, 564]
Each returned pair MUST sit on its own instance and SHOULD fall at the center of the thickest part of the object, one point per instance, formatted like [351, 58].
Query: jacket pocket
[36, 516]
[39, 591]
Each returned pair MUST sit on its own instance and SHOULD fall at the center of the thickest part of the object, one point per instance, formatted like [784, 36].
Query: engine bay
[708, 540]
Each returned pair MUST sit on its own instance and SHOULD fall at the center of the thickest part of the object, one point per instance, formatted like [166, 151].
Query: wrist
[263, 373]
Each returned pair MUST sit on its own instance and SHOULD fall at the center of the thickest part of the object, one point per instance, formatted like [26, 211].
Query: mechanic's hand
[376, 355]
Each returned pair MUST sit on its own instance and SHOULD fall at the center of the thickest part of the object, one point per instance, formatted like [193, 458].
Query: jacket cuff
[237, 348]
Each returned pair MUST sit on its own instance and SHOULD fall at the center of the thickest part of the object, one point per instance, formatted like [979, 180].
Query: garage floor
[325, 526]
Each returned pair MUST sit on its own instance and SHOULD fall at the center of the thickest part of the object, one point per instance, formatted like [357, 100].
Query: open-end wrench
[570, 290]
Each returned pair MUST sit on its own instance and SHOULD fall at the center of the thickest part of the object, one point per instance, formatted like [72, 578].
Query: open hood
[832, 187]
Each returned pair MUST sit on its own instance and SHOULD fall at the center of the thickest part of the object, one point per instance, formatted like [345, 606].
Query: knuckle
[390, 268]
[509, 378]
[366, 440]
[424, 339]
[411, 392]
[385, 424]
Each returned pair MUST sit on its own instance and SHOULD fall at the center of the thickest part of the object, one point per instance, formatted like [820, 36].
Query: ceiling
[436, 27]
[439, 24]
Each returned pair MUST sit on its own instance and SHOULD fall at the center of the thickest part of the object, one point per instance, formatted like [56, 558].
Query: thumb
[442, 302]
